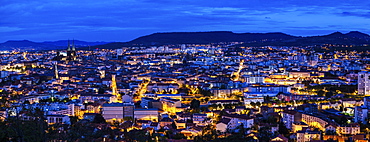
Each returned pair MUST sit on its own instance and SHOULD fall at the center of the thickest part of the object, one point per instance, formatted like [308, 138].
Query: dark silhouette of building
[71, 51]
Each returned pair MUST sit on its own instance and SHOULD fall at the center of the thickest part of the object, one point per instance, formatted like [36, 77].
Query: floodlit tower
[114, 85]
[25, 55]
[56, 70]
[69, 46]
[73, 45]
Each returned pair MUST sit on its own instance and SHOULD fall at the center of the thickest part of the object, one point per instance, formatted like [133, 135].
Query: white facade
[269, 88]
[253, 79]
[289, 117]
[117, 111]
[248, 100]
[52, 119]
[199, 118]
[361, 114]
[236, 121]
[145, 102]
[367, 102]
[348, 130]
[146, 114]
[308, 136]
[221, 127]
[364, 83]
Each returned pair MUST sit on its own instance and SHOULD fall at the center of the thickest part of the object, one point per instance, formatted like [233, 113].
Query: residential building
[361, 114]
[308, 135]
[117, 111]
[364, 83]
[146, 114]
[289, 117]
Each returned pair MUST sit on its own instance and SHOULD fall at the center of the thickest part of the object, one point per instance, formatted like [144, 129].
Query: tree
[341, 108]
[330, 132]
[283, 129]
[329, 94]
[179, 136]
[209, 133]
[267, 99]
[203, 109]
[343, 121]
[219, 106]
[26, 102]
[101, 91]
[258, 104]
[99, 119]
[223, 86]
[212, 106]
[228, 106]
[195, 104]
[173, 125]
[66, 100]
[253, 104]
[264, 134]
[206, 99]
[321, 93]
[17, 129]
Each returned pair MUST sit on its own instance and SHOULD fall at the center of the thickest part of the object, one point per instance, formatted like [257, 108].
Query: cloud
[9, 29]
[124, 20]
[358, 14]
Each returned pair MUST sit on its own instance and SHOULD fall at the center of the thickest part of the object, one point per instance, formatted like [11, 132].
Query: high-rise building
[364, 83]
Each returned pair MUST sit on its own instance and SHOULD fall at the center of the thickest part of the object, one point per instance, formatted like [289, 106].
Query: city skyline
[127, 20]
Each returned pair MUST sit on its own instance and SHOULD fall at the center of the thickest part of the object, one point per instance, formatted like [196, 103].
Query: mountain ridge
[167, 38]
[249, 39]
[45, 45]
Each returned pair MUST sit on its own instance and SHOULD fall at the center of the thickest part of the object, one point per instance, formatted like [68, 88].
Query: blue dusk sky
[124, 20]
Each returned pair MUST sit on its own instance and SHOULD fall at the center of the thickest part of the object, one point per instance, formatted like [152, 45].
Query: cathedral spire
[69, 46]
[73, 46]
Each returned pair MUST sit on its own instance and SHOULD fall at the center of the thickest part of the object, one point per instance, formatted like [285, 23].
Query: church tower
[69, 46]
[71, 51]
[114, 85]
[56, 70]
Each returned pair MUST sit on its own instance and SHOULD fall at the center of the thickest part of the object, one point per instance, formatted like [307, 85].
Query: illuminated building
[364, 83]
[117, 111]
[114, 85]
[71, 51]
[290, 116]
[146, 114]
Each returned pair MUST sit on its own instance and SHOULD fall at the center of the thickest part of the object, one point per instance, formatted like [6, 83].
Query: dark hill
[249, 39]
[21, 44]
[47, 45]
[207, 37]
[357, 34]
[351, 38]
[78, 43]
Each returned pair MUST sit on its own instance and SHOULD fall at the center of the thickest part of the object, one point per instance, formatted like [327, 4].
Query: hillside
[47, 45]
[249, 39]
[207, 37]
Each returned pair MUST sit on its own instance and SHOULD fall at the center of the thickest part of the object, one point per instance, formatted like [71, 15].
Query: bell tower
[114, 85]
[71, 51]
